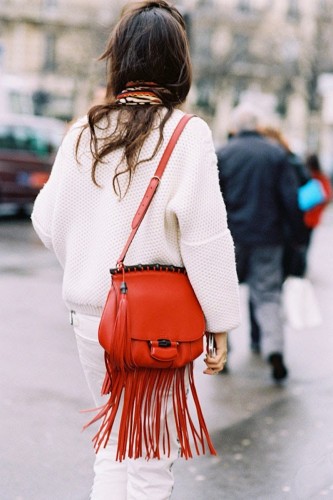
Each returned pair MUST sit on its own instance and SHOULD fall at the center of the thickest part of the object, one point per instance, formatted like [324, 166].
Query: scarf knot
[140, 93]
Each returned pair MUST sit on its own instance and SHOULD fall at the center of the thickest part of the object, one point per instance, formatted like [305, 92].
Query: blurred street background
[273, 442]
[277, 54]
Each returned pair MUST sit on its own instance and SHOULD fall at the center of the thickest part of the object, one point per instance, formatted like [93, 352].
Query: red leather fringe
[144, 427]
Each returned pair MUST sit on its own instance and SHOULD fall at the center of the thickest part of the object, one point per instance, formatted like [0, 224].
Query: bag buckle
[164, 343]
[163, 350]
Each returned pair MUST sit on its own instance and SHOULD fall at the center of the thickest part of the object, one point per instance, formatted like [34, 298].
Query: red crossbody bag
[152, 328]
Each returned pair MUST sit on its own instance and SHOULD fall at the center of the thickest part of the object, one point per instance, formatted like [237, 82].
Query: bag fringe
[144, 427]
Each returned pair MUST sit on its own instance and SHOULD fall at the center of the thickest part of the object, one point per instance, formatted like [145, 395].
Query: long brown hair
[149, 44]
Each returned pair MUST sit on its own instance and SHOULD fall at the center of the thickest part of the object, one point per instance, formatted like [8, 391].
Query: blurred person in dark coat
[294, 260]
[260, 193]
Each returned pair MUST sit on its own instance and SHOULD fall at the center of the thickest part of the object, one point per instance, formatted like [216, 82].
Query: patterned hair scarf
[141, 93]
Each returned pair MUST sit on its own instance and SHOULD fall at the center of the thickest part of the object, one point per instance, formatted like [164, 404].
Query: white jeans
[131, 479]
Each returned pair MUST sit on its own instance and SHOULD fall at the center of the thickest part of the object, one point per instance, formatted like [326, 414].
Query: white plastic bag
[300, 304]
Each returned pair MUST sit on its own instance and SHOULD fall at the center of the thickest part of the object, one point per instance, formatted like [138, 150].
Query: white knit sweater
[87, 226]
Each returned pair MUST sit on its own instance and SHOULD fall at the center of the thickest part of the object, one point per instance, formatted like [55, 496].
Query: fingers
[215, 364]
[213, 371]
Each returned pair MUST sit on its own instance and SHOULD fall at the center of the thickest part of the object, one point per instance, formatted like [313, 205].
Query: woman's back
[89, 223]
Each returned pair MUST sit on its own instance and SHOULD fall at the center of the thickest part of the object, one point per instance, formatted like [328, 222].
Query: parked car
[28, 145]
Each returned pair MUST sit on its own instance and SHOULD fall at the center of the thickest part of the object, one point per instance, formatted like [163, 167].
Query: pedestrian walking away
[260, 191]
[294, 260]
[85, 210]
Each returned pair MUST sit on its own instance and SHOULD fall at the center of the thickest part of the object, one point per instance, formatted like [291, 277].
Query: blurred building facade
[277, 53]
[272, 52]
[50, 48]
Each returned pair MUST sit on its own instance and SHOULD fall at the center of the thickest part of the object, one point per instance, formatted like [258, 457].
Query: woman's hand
[216, 364]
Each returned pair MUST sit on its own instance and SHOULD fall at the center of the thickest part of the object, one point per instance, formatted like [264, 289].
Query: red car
[27, 149]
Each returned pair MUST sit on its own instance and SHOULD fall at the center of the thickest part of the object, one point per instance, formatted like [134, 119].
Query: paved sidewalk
[273, 442]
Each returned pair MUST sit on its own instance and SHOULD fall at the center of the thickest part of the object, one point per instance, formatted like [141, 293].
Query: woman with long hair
[85, 210]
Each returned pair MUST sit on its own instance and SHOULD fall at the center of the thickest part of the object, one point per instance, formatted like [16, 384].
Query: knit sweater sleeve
[43, 209]
[206, 244]
[45, 203]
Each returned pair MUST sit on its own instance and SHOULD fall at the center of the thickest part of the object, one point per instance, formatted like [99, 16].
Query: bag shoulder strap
[153, 185]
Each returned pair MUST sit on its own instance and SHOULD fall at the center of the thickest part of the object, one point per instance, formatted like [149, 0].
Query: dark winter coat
[260, 191]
